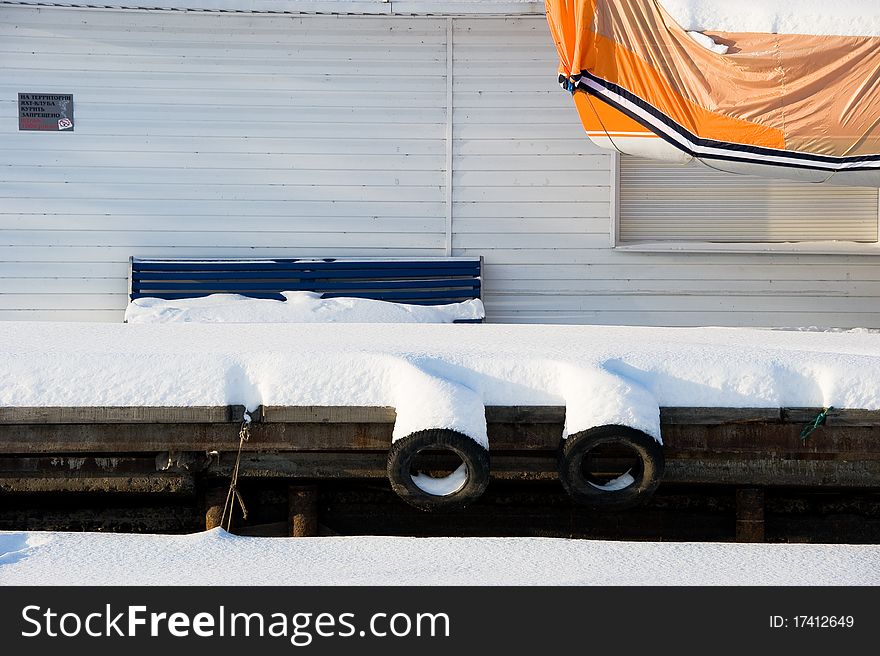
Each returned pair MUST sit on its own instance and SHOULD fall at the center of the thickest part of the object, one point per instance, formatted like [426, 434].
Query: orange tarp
[796, 106]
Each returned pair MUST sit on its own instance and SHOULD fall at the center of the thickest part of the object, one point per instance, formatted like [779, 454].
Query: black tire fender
[475, 460]
[649, 471]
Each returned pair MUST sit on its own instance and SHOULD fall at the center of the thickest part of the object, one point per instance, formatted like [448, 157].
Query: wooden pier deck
[186, 451]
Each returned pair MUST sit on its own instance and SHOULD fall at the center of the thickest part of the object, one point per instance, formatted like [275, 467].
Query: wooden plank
[328, 414]
[750, 514]
[80, 465]
[325, 436]
[769, 440]
[775, 472]
[364, 414]
[522, 429]
[363, 464]
[86, 484]
[91, 474]
[119, 415]
[835, 417]
[153, 484]
[556, 414]
[692, 416]
[145, 438]
[530, 414]
[303, 465]
[763, 472]
[164, 474]
[523, 437]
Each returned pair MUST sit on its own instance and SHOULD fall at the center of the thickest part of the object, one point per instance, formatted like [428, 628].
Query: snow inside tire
[626, 490]
[453, 492]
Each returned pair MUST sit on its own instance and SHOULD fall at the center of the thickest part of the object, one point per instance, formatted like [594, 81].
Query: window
[660, 202]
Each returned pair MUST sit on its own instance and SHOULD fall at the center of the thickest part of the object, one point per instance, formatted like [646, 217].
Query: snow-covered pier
[161, 408]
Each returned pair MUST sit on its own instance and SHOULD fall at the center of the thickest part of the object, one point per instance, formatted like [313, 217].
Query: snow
[298, 307]
[620, 483]
[438, 375]
[218, 558]
[442, 486]
[841, 18]
[708, 43]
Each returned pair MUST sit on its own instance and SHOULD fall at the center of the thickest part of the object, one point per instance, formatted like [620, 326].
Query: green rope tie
[813, 426]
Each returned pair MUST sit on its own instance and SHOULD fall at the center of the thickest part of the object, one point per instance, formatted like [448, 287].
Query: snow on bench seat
[431, 290]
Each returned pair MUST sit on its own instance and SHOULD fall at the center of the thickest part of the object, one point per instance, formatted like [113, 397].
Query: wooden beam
[680, 440]
[141, 438]
[752, 447]
[147, 484]
[91, 474]
[778, 472]
[79, 465]
[303, 511]
[116, 438]
[215, 499]
[126, 415]
[19, 473]
[328, 414]
[543, 466]
[750, 514]
[834, 417]
[370, 414]
[537, 414]
[770, 440]
[715, 416]
[525, 414]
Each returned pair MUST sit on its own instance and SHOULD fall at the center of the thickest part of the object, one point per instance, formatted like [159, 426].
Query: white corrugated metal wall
[237, 135]
[663, 201]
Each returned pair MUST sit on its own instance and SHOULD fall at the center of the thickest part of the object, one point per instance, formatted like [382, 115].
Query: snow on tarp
[438, 376]
[742, 96]
[815, 17]
[298, 307]
[709, 43]
[218, 558]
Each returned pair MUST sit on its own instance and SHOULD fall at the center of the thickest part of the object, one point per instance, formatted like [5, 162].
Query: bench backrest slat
[420, 282]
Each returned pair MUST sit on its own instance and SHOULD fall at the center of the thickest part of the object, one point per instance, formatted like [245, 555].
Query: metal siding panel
[135, 241]
[518, 151]
[51, 254]
[215, 135]
[668, 202]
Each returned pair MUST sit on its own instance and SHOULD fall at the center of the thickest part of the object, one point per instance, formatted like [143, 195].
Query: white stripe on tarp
[708, 151]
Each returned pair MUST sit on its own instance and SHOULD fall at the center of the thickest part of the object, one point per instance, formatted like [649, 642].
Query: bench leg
[215, 498]
[750, 514]
[303, 511]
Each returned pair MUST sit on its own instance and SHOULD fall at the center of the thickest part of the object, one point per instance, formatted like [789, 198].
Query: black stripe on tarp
[711, 143]
[725, 158]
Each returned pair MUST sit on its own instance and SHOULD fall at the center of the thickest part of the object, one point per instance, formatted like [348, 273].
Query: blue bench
[430, 281]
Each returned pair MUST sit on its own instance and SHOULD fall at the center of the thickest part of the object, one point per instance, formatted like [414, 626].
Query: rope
[234, 495]
[813, 426]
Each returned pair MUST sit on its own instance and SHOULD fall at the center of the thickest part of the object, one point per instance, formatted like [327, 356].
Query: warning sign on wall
[45, 111]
